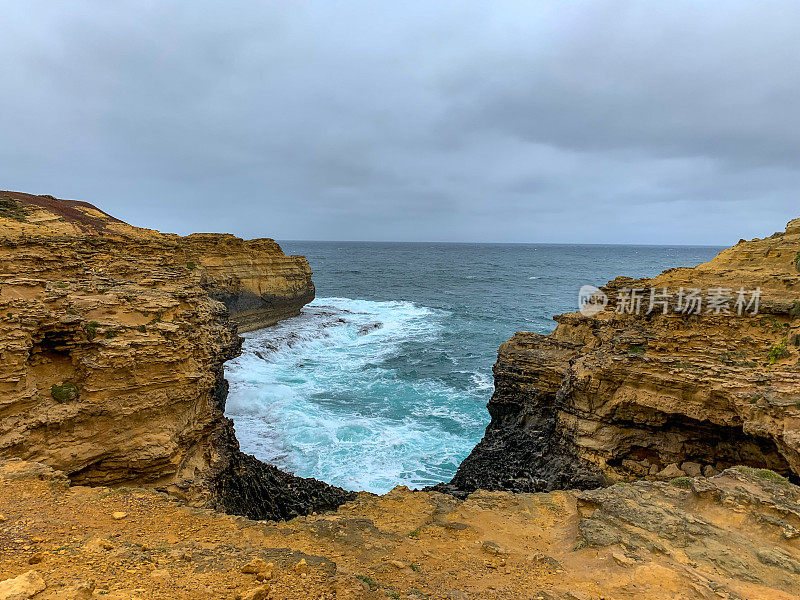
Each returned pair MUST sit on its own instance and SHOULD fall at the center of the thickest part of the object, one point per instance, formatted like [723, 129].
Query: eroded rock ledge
[733, 536]
[112, 344]
[615, 397]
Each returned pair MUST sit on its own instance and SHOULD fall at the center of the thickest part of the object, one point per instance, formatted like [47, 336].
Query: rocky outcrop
[619, 395]
[732, 536]
[112, 344]
[255, 281]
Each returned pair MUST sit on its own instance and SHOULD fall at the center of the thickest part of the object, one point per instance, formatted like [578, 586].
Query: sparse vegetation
[797, 262]
[637, 349]
[777, 352]
[191, 266]
[13, 209]
[141, 329]
[369, 581]
[65, 392]
[765, 474]
[682, 482]
[91, 329]
[794, 312]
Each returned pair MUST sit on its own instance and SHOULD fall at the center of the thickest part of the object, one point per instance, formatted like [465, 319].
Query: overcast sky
[609, 122]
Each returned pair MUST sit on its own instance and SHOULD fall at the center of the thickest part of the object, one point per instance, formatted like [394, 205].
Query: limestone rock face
[619, 396]
[112, 344]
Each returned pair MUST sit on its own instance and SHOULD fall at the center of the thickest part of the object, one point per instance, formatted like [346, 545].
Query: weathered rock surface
[733, 536]
[112, 344]
[621, 396]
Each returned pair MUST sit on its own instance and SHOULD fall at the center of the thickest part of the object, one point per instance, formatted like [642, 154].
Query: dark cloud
[647, 122]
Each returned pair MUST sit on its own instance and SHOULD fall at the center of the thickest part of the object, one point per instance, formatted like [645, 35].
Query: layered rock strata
[732, 536]
[112, 344]
[619, 395]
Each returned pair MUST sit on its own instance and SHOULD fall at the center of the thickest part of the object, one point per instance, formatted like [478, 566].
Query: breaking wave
[357, 393]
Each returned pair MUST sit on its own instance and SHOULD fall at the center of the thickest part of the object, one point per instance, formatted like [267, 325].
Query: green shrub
[765, 474]
[64, 392]
[13, 209]
[191, 266]
[797, 262]
[369, 581]
[141, 329]
[777, 352]
[683, 482]
[637, 349]
[91, 329]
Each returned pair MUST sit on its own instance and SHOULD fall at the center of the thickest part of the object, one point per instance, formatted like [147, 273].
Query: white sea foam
[324, 395]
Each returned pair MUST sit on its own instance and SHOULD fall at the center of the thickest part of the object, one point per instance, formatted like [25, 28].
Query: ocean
[384, 378]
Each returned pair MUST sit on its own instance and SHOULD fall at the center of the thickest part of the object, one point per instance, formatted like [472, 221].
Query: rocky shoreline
[657, 450]
[617, 396]
[113, 340]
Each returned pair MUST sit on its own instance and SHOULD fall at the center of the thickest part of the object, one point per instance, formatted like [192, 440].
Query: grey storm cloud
[641, 122]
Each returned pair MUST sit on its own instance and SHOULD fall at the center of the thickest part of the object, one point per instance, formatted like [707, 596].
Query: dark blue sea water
[384, 378]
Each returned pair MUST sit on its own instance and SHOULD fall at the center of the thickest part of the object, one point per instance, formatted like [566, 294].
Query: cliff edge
[654, 391]
[112, 344]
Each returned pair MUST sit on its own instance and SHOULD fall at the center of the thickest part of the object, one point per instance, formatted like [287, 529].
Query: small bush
[682, 482]
[797, 262]
[369, 581]
[141, 329]
[91, 329]
[13, 209]
[64, 392]
[191, 266]
[765, 474]
[637, 349]
[777, 352]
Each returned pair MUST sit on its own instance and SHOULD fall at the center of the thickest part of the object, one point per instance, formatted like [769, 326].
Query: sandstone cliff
[112, 341]
[619, 396]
